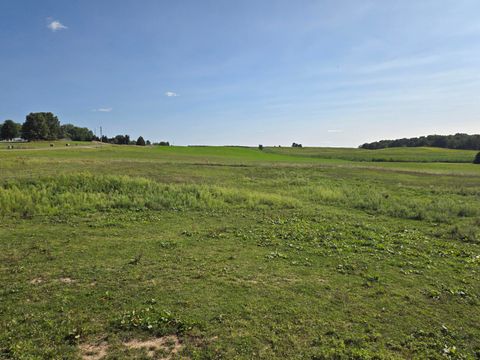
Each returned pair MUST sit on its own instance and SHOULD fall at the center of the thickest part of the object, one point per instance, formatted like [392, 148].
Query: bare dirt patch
[94, 352]
[169, 345]
[36, 281]
[67, 280]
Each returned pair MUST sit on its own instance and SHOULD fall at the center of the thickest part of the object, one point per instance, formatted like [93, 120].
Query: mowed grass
[238, 253]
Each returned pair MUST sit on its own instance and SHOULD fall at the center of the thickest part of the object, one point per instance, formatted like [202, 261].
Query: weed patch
[152, 320]
[87, 192]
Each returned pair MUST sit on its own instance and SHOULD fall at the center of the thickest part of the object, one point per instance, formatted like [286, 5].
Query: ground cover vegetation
[121, 252]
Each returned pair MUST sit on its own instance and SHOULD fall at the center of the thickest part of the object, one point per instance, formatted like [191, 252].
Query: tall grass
[401, 203]
[86, 192]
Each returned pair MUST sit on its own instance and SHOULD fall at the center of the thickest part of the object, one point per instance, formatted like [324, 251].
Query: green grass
[8, 145]
[239, 253]
[420, 154]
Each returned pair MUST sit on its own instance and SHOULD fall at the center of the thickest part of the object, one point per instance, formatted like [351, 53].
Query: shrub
[477, 159]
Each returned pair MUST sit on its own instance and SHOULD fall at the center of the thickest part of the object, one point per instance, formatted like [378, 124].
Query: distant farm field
[421, 154]
[122, 252]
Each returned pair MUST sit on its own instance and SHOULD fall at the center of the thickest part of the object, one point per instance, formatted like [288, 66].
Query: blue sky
[326, 73]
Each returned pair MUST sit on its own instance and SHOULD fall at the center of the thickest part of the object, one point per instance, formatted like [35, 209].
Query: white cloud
[171, 94]
[103, 109]
[334, 131]
[56, 25]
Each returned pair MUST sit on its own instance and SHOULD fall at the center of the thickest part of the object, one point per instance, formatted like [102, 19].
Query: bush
[477, 159]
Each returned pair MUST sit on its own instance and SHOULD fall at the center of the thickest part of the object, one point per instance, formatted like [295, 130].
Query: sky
[225, 72]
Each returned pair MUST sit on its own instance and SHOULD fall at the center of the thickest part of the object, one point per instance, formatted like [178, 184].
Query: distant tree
[477, 159]
[76, 133]
[9, 130]
[457, 141]
[67, 130]
[140, 141]
[53, 125]
[260, 147]
[296, 145]
[164, 143]
[34, 128]
[41, 126]
[120, 140]
[148, 142]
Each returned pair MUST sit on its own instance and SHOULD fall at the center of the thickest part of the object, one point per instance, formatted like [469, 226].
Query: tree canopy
[9, 130]
[46, 126]
[140, 141]
[41, 126]
[457, 141]
[76, 133]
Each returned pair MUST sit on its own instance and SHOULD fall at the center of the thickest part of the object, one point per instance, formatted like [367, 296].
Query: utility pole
[101, 135]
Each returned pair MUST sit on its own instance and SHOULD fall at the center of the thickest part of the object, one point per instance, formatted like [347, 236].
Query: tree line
[46, 126]
[43, 126]
[457, 141]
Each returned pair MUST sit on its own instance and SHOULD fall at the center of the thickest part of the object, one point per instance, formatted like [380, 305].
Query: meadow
[120, 252]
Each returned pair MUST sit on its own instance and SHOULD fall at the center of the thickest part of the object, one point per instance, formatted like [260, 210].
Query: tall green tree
[140, 141]
[34, 128]
[9, 130]
[120, 140]
[76, 133]
[41, 126]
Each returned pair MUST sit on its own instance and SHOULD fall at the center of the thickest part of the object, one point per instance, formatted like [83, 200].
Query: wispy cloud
[334, 131]
[171, 94]
[401, 63]
[56, 25]
[103, 109]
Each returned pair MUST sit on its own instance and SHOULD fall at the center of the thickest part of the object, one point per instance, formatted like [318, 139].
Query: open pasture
[237, 253]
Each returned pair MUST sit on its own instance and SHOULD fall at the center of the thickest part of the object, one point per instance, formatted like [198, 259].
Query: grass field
[421, 154]
[236, 253]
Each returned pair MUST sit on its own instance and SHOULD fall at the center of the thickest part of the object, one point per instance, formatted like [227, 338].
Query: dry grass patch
[169, 345]
[94, 352]
[67, 280]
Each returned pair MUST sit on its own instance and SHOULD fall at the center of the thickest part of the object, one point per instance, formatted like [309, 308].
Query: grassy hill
[237, 253]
